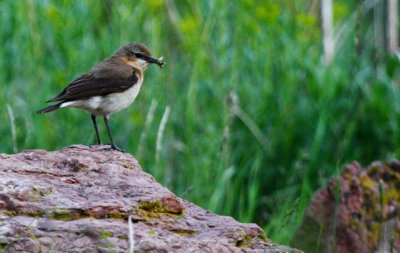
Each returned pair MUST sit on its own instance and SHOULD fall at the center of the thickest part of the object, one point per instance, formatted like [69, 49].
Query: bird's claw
[96, 144]
[113, 147]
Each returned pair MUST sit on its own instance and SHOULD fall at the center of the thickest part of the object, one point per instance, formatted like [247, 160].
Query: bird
[107, 88]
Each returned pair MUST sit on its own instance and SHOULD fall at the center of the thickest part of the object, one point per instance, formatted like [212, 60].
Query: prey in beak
[149, 59]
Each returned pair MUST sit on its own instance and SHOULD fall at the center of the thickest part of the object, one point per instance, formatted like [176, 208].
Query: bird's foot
[96, 144]
[113, 147]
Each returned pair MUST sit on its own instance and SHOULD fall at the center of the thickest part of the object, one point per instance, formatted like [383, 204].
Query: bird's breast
[115, 102]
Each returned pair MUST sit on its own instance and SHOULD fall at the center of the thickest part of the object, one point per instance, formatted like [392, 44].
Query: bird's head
[138, 55]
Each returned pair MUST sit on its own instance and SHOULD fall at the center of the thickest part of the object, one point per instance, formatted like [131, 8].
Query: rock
[357, 212]
[79, 199]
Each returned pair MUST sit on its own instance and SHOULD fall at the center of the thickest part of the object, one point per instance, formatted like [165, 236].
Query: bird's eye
[139, 55]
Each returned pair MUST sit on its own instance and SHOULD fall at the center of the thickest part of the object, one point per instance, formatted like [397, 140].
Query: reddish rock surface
[358, 212]
[79, 199]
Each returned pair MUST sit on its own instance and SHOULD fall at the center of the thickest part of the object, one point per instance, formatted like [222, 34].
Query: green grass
[256, 122]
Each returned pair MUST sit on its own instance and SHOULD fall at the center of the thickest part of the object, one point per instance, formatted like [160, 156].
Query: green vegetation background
[254, 122]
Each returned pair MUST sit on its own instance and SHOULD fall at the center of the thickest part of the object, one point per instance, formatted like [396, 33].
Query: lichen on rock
[78, 199]
[357, 212]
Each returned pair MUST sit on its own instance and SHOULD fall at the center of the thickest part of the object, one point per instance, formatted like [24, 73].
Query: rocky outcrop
[359, 212]
[79, 199]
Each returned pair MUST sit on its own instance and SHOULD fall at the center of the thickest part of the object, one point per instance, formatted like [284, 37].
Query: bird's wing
[88, 85]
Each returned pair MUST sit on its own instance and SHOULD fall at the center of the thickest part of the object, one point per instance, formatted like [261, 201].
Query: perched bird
[109, 87]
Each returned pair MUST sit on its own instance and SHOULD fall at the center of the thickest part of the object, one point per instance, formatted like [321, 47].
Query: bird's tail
[50, 108]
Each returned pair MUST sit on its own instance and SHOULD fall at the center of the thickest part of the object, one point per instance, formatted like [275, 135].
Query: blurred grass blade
[131, 235]
[148, 121]
[13, 128]
[160, 132]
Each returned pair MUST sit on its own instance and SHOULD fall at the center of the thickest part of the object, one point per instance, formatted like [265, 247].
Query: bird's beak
[158, 61]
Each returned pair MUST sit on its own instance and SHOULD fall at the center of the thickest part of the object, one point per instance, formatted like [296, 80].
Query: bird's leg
[96, 129]
[110, 136]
